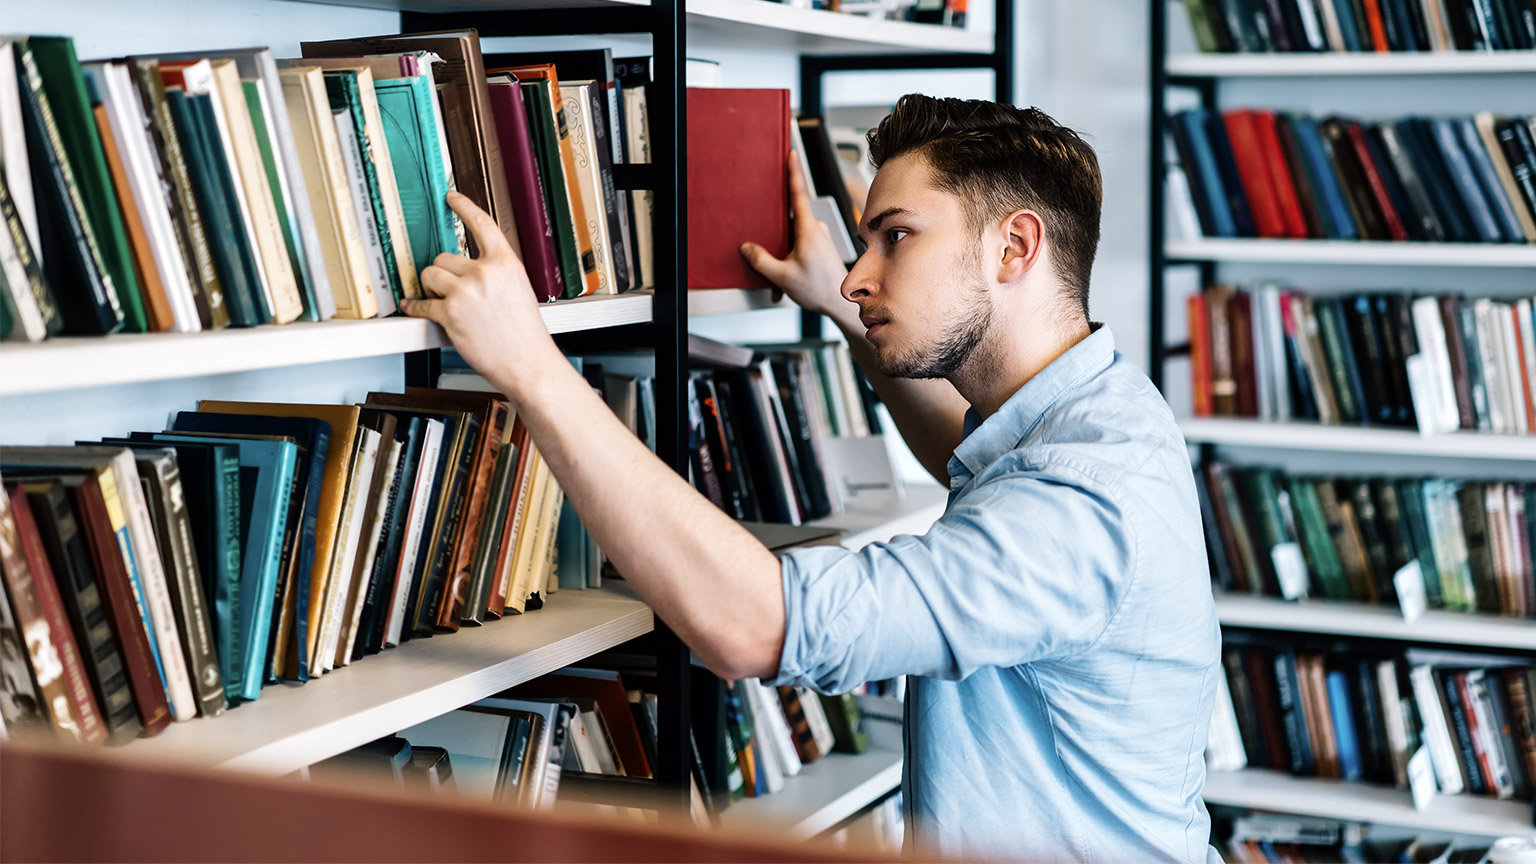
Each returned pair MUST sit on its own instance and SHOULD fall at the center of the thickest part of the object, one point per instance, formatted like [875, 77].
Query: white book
[579, 120]
[390, 454]
[1182, 217]
[1525, 328]
[1514, 367]
[1393, 719]
[1498, 779]
[1490, 350]
[1311, 27]
[1263, 362]
[16, 292]
[1224, 743]
[1436, 411]
[415, 526]
[765, 391]
[585, 755]
[769, 765]
[130, 128]
[13, 147]
[1437, 735]
[1331, 29]
[1274, 347]
[783, 737]
[357, 183]
[348, 534]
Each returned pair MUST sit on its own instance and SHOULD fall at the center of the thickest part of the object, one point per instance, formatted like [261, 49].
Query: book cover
[410, 129]
[360, 148]
[527, 189]
[736, 193]
[593, 181]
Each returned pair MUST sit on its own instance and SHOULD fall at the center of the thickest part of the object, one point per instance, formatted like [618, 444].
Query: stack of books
[167, 575]
[947, 13]
[1269, 838]
[1353, 716]
[1346, 538]
[1436, 363]
[1275, 174]
[229, 188]
[1362, 25]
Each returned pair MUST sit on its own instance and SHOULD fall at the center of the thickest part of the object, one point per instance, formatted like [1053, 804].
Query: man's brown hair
[1000, 159]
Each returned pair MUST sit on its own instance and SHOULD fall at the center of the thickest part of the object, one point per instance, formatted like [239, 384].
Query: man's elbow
[735, 659]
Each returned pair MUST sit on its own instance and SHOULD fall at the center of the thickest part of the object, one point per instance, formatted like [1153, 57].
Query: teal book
[546, 152]
[410, 130]
[258, 111]
[341, 87]
[267, 469]
[213, 188]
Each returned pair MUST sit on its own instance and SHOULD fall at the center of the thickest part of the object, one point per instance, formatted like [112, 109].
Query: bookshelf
[1372, 85]
[703, 304]
[825, 794]
[915, 513]
[1262, 789]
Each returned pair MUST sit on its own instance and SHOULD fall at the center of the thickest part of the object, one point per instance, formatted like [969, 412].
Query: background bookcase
[74, 388]
[1371, 85]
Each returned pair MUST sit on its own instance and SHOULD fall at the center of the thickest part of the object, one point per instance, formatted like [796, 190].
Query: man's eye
[895, 234]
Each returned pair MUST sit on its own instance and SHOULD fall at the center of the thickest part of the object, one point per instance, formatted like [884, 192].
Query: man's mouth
[871, 323]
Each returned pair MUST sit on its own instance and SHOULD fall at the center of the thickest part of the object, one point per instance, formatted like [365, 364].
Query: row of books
[1347, 538]
[1436, 363]
[1261, 26]
[1349, 716]
[1282, 174]
[196, 191]
[946, 13]
[763, 425]
[167, 575]
[1269, 838]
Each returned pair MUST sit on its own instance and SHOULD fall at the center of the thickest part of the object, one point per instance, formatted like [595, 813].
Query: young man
[1057, 620]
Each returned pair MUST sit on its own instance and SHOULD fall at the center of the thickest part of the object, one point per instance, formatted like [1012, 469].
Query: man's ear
[1023, 242]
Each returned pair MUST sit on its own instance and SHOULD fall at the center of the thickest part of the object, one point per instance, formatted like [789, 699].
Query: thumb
[775, 269]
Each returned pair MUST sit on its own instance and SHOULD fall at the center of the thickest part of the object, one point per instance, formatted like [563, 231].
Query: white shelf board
[767, 25]
[1372, 252]
[1377, 622]
[70, 362]
[1357, 439]
[824, 794]
[914, 514]
[1363, 802]
[292, 725]
[732, 301]
[1352, 64]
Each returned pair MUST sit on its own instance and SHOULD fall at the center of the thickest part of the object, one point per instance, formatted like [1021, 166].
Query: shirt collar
[986, 441]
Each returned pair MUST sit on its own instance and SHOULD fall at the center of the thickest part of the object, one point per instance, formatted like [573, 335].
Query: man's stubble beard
[959, 340]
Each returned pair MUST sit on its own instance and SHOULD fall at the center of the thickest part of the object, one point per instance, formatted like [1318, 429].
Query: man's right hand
[812, 275]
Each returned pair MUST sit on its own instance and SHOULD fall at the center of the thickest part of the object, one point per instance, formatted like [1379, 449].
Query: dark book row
[227, 188]
[1347, 538]
[1437, 363]
[1261, 26]
[763, 424]
[1359, 717]
[1282, 174]
[1271, 838]
[167, 575]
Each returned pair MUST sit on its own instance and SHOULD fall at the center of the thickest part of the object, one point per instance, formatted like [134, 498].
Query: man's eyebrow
[874, 223]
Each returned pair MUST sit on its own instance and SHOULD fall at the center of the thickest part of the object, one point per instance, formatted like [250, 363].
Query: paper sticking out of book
[1409, 583]
[1435, 412]
[1290, 570]
[1421, 778]
[862, 473]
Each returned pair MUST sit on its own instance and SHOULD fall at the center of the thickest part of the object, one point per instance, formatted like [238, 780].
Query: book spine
[416, 522]
[386, 562]
[185, 584]
[441, 553]
[538, 239]
[456, 591]
[37, 316]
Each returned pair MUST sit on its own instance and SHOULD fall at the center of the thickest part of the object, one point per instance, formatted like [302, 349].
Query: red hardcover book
[1200, 354]
[538, 239]
[74, 711]
[738, 149]
[1374, 180]
[1244, 373]
[1378, 27]
[1279, 174]
[1258, 182]
[143, 673]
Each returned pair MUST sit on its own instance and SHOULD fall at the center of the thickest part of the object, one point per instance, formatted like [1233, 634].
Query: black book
[70, 558]
[755, 430]
[73, 263]
[35, 281]
[1461, 18]
[1431, 169]
[1343, 369]
[1284, 25]
[1457, 714]
[742, 474]
[827, 175]
[1370, 729]
[1389, 512]
[1373, 535]
[1231, 181]
[1387, 171]
[1524, 17]
[1216, 548]
[1197, 190]
[1418, 26]
[1392, 315]
[710, 736]
[1490, 25]
[1515, 139]
[1410, 501]
[1290, 148]
[1473, 498]
[1249, 25]
[1393, 21]
[1221, 33]
[455, 501]
[728, 468]
[793, 389]
[701, 454]
[1351, 173]
[371, 629]
[1416, 209]
[1293, 718]
[1243, 704]
[1370, 358]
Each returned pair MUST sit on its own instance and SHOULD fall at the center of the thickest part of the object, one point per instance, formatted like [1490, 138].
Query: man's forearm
[705, 575]
[929, 414]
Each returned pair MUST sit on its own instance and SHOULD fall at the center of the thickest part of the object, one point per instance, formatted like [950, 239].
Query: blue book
[1464, 180]
[1347, 29]
[1417, 140]
[1231, 180]
[314, 438]
[1192, 129]
[1339, 702]
[1197, 192]
[1338, 222]
[267, 469]
[1293, 716]
[1488, 180]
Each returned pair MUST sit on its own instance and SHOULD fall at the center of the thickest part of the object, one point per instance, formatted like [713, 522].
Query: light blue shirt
[1057, 622]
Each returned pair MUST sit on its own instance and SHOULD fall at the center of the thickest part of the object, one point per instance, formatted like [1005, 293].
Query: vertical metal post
[1157, 336]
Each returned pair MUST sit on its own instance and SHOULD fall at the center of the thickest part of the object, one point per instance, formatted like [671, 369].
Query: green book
[1341, 360]
[341, 87]
[410, 130]
[1410, 502]
[847, 721]
[1200, 22]
[1443, 514]
[1316, 543]
[66, 88]
[258, 110]
[546, 146]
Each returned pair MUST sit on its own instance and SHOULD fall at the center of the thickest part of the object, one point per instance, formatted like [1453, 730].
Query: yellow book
[524, 580]
[330, 198]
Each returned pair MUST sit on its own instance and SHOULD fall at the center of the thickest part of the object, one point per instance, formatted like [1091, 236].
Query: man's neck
[1012, 356]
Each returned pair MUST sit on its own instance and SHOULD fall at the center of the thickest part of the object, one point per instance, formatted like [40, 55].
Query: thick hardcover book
[35, 313]
[76, 271]
[1338, 219]
[1272, 159]
[1299, 181]
[345, 88]
[544, 135]
[57, 668]
[1422, 221]
[1370, 359]
[1200, 171]
[1231, 180]
[70, 560]
[1376, 174]
[736, 192]
[410, 128]
[527, 190]
[1257, 182]
[139, 658]
[1351, 174]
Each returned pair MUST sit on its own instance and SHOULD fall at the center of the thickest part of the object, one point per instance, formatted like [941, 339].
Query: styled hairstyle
[1000, 159]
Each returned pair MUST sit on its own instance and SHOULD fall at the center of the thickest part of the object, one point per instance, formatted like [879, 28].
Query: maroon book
[533, 229]
[1374, 182]
[738, 162]
[56, 657]
[1243, 369]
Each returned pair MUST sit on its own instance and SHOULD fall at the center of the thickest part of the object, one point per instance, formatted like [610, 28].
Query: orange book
[157, 306]
[1200, 354]
[1377, 25]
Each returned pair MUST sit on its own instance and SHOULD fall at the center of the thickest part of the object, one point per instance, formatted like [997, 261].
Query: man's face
[920, 286]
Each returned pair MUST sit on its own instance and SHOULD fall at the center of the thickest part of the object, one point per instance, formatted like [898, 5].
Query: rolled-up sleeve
[1023, 567]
